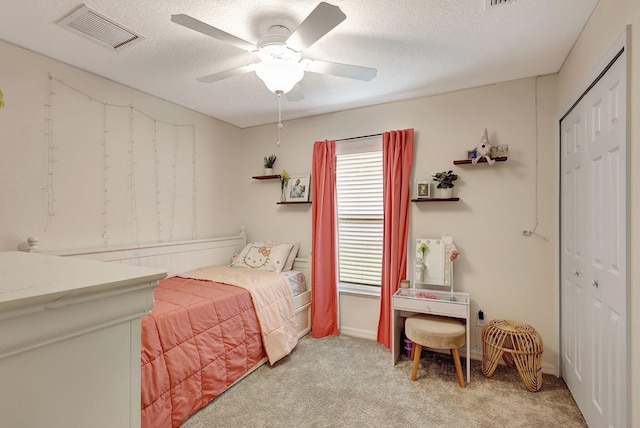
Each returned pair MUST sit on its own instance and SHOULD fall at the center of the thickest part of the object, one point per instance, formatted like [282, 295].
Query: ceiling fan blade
[337, 69]
[226, 74]
[206, 29]
[323, 19]
[295, 94]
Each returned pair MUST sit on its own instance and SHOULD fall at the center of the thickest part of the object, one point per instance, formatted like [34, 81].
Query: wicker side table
[519, 345]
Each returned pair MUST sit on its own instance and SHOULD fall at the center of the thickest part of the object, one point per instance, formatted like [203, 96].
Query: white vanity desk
[432, 267]
[410, 301]
[70, 340]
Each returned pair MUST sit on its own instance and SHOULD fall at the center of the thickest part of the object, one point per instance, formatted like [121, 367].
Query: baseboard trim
[357, 332]
[476, 354]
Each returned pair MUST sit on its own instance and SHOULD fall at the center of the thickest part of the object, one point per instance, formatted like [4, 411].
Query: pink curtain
[397, 156]
[324, 304]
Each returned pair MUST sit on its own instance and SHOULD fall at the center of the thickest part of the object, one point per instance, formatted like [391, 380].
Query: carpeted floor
[345, 381]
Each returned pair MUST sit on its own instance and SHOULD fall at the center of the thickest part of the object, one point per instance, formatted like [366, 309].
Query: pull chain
[279, 93]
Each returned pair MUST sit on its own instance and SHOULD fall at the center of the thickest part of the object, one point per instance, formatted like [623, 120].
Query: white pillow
[292, 256]
[264, 255]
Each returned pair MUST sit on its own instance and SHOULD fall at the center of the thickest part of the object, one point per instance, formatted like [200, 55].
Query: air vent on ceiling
[99, 28]
[490, 3]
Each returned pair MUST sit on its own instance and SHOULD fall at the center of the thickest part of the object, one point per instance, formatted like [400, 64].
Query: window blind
[359, 189]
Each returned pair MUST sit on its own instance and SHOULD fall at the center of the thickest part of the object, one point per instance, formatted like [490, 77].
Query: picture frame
[298, 188]
[423, 189]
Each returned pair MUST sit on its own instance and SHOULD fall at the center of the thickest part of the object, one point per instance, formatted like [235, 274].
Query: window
[359, 189]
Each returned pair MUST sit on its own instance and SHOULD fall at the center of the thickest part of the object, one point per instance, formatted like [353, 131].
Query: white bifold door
[593, 245]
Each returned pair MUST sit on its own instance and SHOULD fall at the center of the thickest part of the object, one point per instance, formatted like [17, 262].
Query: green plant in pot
[268, 164]
[445, 185]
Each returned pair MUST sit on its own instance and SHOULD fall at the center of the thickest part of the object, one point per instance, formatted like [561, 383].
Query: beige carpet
[349, 382]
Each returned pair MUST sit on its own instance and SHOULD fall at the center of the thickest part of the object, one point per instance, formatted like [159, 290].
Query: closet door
[574, 220]
[593, 250]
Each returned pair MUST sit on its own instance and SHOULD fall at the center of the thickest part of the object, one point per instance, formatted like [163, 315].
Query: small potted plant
[445, 185]
[268, 164]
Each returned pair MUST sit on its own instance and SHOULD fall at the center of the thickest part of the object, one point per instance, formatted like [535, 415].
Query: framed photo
[298, 188]
[423, 189]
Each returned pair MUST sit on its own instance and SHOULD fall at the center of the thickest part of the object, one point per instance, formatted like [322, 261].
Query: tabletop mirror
[432, 265]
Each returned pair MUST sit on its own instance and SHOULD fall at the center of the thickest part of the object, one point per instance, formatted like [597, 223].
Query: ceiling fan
[281, 66]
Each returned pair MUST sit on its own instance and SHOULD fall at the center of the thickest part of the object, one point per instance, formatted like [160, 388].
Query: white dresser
[70, 341]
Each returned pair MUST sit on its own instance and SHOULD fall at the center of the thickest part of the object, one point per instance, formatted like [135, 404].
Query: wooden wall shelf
[436, 200]
[293, 203]
[265, 177]
[482, 160]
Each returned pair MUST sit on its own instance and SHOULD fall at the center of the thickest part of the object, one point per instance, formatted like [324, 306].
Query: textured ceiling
[419, 47]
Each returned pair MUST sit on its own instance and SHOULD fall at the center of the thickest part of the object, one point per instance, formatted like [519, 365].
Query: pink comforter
[200, 337]
[273, 302]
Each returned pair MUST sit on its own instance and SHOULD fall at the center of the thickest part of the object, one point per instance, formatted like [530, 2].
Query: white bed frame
[184, 256]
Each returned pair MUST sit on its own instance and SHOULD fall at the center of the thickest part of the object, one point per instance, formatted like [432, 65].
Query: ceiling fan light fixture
[280, 51]
[277, 51]
[280, 75]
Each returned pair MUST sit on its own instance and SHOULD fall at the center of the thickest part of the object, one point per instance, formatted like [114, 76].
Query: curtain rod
[359, 137]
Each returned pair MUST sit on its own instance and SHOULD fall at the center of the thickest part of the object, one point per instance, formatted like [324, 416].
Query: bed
[203, 335]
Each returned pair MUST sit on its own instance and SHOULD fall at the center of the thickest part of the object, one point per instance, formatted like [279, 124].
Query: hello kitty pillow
[264, 255]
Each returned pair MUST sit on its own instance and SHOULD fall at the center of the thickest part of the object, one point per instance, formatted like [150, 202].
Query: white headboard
[175, 257]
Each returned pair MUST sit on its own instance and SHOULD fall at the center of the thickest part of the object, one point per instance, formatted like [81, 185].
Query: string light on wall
[132, 178]
[134, 116]
[174, 190]
[51, 159]
[156, 163]
[194, 198]
[105, 179]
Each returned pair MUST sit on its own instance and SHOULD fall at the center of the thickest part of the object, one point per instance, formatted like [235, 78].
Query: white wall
[508, 275]
[76, 186]
[607, 23]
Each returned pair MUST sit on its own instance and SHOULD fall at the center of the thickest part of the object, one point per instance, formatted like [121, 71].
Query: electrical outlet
[526, 233]
[480, 315]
